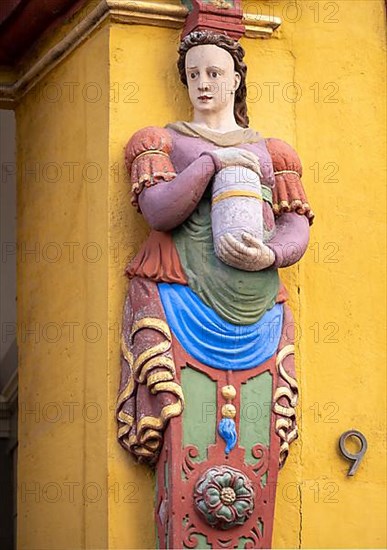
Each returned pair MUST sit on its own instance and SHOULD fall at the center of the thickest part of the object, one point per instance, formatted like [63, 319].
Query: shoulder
[150, 138]
[283, 156]
[149, 133]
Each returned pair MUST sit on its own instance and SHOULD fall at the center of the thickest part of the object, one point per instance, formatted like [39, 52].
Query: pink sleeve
[168, 204]
[290, 240]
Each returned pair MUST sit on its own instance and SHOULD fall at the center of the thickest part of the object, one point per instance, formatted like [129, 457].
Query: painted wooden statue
[208, 389]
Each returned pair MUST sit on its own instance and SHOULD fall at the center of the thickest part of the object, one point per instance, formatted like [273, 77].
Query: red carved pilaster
[178, 520]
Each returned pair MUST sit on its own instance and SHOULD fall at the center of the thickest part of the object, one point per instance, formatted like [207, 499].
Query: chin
[207, 107]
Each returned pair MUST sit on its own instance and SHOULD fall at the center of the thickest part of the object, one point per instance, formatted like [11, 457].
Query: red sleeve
[147, 159]
[288, 192]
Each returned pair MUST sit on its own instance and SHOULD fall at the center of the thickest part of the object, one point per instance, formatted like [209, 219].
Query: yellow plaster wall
[63, 296]
[344, 371]
[342, 383]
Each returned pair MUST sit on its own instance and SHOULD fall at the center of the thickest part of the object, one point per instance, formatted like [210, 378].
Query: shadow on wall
[8, 346]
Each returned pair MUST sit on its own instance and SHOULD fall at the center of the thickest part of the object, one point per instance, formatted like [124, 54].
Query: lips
[205, 97]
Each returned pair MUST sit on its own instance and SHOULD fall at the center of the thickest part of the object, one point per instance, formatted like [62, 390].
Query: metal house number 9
[355, 458]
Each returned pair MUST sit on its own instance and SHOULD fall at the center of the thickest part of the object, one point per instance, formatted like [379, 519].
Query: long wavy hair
[200, 38]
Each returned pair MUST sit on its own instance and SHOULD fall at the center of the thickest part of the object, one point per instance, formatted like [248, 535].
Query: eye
[214, 74]
[193, 75]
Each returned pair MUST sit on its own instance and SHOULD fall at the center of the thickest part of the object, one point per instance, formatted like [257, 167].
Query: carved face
[212, 80]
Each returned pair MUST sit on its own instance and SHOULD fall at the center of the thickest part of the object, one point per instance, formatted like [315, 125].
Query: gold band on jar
[237, 193]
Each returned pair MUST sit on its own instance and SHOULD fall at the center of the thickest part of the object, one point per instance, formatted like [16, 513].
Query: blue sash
[214, 341]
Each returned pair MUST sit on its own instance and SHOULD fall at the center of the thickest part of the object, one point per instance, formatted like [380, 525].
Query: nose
[204, 86]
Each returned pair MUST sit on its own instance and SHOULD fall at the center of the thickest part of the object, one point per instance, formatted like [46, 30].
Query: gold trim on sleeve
[287, 172]
[151, 152]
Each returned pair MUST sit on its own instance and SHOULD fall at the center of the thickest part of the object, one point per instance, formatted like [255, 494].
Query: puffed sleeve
[288, 192]
[147, 159]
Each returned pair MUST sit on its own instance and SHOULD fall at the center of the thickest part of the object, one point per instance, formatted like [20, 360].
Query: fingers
[254, 166]
[229, 248]
[251, 160]
[248, 155]
[239, 157]
[264, 252]
[247, 160]
[251, 240]
[245, 251]
[244, 257]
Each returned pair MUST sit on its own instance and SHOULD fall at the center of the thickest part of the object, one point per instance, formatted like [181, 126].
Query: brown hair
[200, 38]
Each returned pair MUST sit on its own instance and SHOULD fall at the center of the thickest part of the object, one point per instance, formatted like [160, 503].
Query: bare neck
[219, 122]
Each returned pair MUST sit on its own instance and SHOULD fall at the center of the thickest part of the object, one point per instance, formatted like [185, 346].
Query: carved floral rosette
[225, 496]
[229, 502]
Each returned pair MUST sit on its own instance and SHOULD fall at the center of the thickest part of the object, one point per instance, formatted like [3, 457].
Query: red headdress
[218, 16]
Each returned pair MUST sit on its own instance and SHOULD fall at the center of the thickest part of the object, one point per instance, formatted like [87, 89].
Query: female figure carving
[206, 321]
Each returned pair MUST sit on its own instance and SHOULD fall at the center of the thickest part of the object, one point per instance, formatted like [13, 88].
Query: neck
[220, 122]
